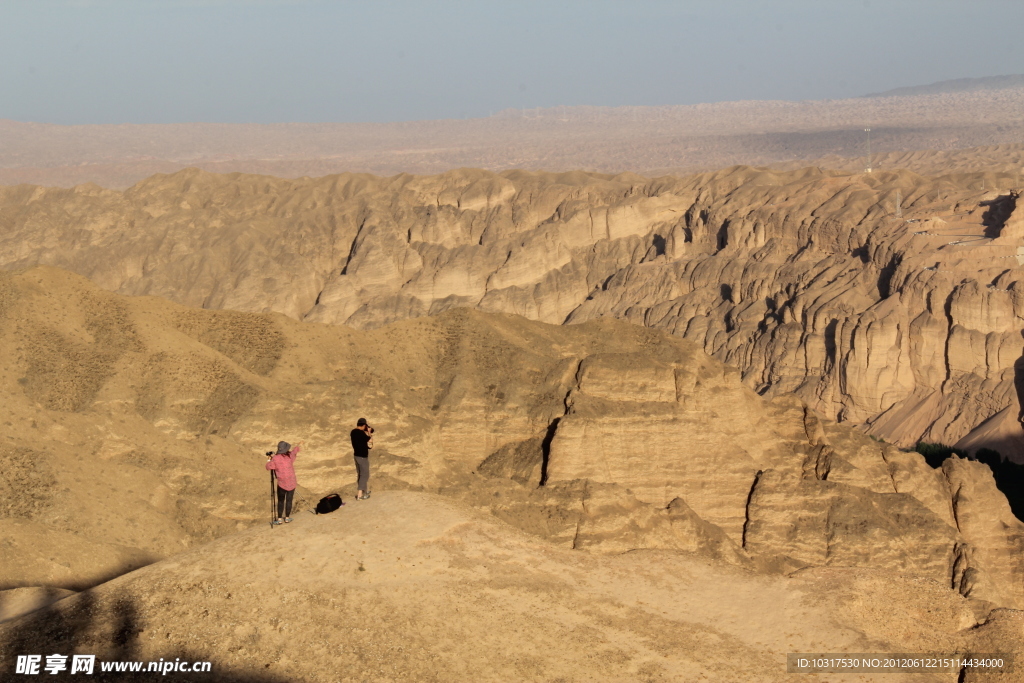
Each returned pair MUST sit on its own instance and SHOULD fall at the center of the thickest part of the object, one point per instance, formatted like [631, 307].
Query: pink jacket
[284, 465]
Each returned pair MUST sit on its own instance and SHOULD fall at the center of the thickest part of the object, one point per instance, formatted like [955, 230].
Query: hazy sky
[163, 61]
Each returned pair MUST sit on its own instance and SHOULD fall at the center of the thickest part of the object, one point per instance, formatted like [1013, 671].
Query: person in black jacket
[362, 442]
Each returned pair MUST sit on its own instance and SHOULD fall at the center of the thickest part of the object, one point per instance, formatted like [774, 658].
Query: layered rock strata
[888, 300]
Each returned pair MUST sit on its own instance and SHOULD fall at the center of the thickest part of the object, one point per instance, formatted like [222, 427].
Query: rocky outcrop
[888, 300]
[981, 513]
[779, 486]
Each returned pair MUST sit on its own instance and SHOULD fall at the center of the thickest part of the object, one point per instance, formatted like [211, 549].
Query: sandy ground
[409, 586]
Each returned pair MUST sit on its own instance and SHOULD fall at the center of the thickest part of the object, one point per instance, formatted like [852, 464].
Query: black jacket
[360, 443]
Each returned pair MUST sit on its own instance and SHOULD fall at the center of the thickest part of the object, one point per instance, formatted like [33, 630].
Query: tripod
[273, 500]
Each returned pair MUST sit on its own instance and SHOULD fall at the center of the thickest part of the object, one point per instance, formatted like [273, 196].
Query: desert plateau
[975, 124]
[656, 342]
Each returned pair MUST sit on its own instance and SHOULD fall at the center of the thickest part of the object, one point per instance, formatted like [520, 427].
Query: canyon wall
[889, 300]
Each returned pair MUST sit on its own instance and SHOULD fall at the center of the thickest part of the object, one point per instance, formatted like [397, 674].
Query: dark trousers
[284, 502]
[362, 472]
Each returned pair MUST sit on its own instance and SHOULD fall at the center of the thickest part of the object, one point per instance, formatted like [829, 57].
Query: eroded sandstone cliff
[890, 300]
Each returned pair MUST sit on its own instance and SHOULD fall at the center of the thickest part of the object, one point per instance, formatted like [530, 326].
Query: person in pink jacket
[283, 465]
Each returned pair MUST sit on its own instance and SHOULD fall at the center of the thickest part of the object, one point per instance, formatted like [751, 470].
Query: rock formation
[888, 300]
[135, 428]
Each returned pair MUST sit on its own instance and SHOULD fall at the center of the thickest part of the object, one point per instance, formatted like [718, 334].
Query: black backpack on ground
[329, 504]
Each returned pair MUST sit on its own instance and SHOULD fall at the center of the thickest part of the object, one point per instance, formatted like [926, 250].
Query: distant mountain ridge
[955, 85]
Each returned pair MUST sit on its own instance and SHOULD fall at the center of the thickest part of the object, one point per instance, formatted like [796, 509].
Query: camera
[270, 454]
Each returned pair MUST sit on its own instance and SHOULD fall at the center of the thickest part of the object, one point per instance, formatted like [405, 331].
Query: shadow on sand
[111, 631]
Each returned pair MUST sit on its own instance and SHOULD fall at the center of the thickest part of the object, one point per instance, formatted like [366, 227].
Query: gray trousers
[363, 472]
